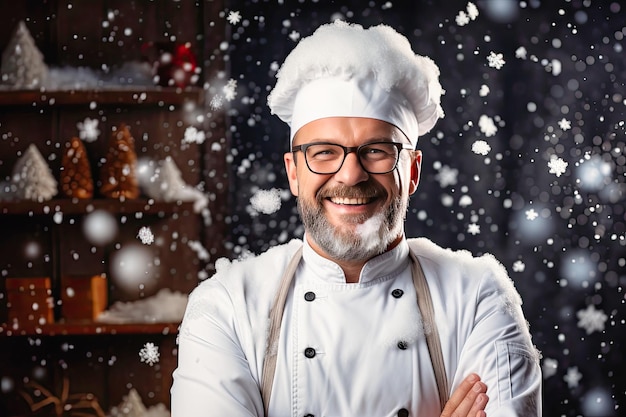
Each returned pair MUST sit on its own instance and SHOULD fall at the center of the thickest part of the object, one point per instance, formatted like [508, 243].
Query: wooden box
[83, 297]
[29, 300]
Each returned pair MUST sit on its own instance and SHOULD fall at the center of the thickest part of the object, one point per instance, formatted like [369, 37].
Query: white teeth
[349, 201]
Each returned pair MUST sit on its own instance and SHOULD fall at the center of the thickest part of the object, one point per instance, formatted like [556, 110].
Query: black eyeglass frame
[349, 149]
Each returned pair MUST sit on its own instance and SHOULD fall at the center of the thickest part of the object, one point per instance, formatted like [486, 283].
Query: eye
[324, 152]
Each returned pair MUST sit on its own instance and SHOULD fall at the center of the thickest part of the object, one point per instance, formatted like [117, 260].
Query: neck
[351, 268]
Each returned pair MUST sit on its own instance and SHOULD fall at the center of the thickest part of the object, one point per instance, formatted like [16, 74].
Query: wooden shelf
[80, 206]
[88, 328]
[135, 95]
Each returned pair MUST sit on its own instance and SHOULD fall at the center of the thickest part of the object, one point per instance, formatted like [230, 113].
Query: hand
[468, 400]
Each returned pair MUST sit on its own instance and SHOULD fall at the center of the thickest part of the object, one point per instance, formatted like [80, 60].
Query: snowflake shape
[521, 53]
[531, 214]
[88, 130]
[487, 126]
[481, 147]
[193, 135]
[145, 235]
[565, 124]
[473, 229]
[572, 377]
[447, 176]
[234, 17]
[484, 91]
[519, 266]
[462, 18]
[557, 166]
[495, 60]
[549, 367]
[294, 36]
[266, 201]
[149, 354]
[217, 102]
[591, 319]
[230, 90]
[472, 10]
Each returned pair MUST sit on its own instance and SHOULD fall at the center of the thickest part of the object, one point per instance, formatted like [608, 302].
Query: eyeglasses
[375, 158]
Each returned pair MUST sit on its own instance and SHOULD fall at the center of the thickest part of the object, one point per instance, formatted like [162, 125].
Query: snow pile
[166, 184]
[132, 406]
[166, 306]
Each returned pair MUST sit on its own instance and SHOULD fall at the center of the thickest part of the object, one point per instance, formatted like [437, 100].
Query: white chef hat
[344, 70]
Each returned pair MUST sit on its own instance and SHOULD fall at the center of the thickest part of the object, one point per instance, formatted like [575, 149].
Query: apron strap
[425, 306]
[276, 316]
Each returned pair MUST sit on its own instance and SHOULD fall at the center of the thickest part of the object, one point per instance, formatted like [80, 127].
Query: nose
[351, 171]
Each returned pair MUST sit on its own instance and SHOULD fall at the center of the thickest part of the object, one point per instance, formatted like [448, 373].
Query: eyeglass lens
[375, 158]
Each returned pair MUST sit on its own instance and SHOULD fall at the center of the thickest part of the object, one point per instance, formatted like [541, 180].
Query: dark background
[574, 251]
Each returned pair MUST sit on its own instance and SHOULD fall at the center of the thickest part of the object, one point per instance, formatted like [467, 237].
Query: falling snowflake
[572, 377]
[472, 10]
[266, 201]
[549, 367]
[145, 235]
[294, 36]
[230, 90]
[234, 17]
[521, 53]
[462, 18]
[149, 354]
[518, 266]
[484, 90]
[487, 126]
[557, 166]
[481, 147]
[217, 102]
[495, 60]
[591, 319]
[565, 124]
[473, 229]
[193, 135]
[447, 176]
[88, 130]
[531, 214]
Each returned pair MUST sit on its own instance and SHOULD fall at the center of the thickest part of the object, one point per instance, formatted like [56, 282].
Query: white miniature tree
[23, 64]
[32, 177]
[167, 184]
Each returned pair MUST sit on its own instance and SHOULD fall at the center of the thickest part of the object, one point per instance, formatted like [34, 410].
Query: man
[355, 319]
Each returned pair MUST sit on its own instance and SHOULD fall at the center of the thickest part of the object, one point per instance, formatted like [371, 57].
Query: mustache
[366, 190]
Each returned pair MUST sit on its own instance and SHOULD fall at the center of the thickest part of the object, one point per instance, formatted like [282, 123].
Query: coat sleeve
[500, 350]
[213, 377]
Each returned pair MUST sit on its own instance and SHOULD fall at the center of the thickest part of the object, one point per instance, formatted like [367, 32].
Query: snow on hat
[344, 70]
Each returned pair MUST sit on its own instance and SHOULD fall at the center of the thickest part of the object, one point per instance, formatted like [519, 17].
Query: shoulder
[248, 278]
[461, 268]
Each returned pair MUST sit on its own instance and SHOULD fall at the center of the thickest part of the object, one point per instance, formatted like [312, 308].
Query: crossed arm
[468, 400]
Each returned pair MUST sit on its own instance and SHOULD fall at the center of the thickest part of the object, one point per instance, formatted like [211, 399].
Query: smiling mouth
[351, 201]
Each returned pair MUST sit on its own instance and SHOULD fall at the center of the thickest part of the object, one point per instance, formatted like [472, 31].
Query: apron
[424, 303]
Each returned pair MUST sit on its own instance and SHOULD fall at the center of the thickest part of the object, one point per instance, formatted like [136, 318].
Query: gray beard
[371, 236]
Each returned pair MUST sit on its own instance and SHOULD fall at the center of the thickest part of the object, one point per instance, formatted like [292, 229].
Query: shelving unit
[102, 359]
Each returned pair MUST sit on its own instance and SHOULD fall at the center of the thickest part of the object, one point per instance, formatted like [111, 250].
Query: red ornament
[174, 65]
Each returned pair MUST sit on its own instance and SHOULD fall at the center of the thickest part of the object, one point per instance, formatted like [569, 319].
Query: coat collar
[379, 268]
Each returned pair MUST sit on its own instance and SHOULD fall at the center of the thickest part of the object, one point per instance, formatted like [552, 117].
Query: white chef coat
[354, 349]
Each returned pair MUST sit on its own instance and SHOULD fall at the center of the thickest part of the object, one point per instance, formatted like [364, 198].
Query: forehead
[348, 130]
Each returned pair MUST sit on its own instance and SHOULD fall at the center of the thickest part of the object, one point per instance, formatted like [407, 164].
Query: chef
[356, 319]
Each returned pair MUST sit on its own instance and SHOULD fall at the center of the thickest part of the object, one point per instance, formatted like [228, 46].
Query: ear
[416, 170]
[292, 172]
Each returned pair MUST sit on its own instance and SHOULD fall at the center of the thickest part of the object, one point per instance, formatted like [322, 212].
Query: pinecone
[76, 180]
[117, 175]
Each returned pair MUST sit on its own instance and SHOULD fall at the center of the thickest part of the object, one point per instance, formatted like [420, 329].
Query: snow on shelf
[88, 328]
[82, 206]
[158, 96]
